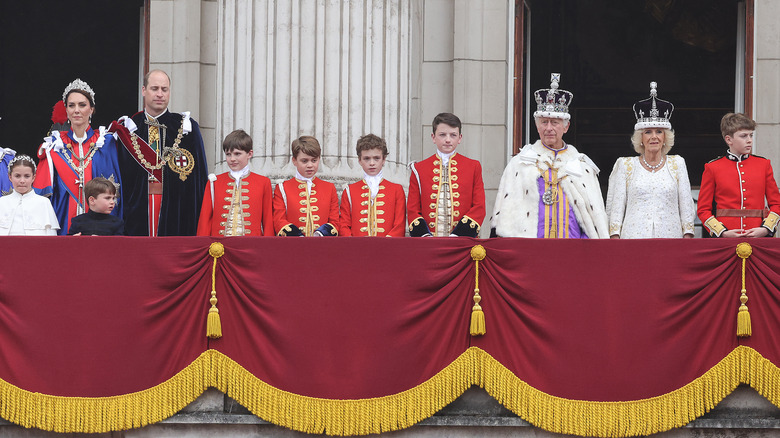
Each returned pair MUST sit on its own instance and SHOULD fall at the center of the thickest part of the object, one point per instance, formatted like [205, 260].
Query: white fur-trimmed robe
[516, 213]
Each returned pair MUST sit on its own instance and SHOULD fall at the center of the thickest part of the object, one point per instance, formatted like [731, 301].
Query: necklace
[83, 163]
[655, 167]
[81, 158]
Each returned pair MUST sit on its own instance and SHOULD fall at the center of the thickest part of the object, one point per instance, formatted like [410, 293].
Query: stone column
[182, 42]
[334, 69]
[481, 82]
[467, 54]
[767, 81]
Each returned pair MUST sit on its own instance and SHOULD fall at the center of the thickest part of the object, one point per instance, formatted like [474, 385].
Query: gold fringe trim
[105, 414]
[761, 374]
[637, 417]
[396, 411]
[346, 417]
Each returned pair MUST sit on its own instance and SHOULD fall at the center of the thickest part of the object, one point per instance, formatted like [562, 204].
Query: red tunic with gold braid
[385, 215]
[734, 194]
[306, 209]
[466, 187]
[243, 213]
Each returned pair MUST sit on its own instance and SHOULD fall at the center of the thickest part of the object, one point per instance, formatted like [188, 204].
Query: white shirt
[373, 182]
[303, 178]
[239, 174]
[445, 158]
[643, 204]
[27, 215]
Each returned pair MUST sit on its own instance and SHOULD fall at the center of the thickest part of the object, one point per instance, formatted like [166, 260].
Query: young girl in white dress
[23, 212]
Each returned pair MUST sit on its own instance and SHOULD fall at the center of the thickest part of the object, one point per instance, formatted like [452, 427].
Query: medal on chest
[551, 184]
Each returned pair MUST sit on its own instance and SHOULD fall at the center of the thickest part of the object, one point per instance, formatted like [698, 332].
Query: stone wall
[338, 69]
[182, 42]
[466, 69]
[766, 88]
[333, 69]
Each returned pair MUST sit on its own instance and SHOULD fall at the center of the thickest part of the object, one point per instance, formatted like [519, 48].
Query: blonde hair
[636, 140]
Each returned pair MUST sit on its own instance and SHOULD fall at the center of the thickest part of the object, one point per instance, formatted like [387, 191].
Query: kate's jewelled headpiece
[20, 158]
[653, 112]
[553, 102]
[78, 84]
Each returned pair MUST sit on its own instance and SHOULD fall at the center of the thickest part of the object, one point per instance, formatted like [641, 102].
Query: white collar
[302, 178]
[16, 194]
[238, 174]
[445, 158]
[80, 140]
[373, 182]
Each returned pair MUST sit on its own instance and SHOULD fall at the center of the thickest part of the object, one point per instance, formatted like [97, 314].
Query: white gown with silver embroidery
[643, 204]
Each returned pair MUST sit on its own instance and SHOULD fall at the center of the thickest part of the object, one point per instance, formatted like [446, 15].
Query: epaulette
[716, 159]
[759, 156]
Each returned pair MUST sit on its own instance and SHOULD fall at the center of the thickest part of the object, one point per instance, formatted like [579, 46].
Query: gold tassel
[213, 323]
[477, 315]
[744, 328]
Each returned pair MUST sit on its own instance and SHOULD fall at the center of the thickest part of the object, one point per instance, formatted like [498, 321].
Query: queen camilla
[650, 195]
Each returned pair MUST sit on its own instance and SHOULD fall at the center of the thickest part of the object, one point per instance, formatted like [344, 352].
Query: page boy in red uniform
[446, 192]
[739, 195]
[306, 205]
[373, 206]
[237, 202]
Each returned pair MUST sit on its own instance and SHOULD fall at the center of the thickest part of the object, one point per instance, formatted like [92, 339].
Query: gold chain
[140, 155]
[85, 160]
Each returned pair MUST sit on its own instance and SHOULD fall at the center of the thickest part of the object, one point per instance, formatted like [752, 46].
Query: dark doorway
[608, 53]
[48, 43]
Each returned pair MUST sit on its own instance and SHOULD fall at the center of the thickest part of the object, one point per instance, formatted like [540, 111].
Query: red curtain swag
[362, 335]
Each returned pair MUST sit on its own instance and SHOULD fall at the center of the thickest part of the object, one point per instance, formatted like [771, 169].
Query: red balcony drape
[362, 335]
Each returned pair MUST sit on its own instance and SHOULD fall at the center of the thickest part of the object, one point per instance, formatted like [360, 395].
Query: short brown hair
[448, 119]
[371, 141]
[237, 139]
[733, 122]
[97, 186]
[306, 144]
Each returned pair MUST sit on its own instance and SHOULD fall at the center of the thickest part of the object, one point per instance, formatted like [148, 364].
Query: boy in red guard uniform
[306, 205]
[446, 193]
[237, 202]
[739, 196]
[373, 206]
